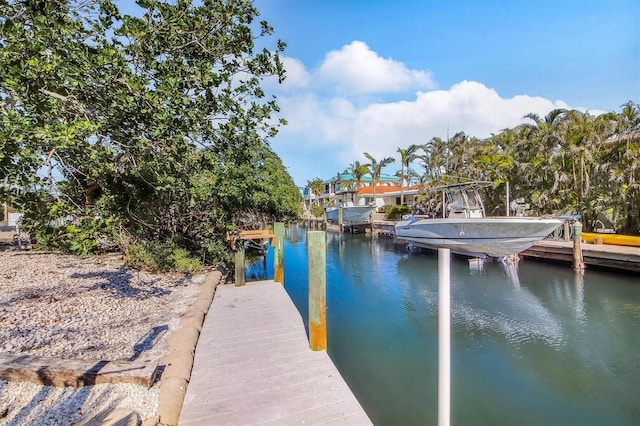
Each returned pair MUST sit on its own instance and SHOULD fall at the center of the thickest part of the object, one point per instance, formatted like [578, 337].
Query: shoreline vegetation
[144, 134]
[566, 163]
[159, 151]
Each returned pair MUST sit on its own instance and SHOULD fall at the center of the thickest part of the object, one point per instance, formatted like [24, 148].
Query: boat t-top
[465, 228]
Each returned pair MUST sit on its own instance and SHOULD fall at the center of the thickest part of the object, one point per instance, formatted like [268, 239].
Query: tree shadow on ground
[118, 283]
[148, 341]
[64, 406]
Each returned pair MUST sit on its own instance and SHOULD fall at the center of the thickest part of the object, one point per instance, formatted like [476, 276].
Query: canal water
[539, 346]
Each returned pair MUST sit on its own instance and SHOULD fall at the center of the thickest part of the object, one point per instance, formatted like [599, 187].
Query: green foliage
[566, 162]
[396, 212]
[159, 257]
[317, 187]
[317, 211]
[80, 237]
[157, 122]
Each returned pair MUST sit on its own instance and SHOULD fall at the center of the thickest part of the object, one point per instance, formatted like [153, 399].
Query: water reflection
[493, 301]
[536, 345]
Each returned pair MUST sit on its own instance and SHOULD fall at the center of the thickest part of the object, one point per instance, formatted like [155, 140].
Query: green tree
[376, 169]
[358, 171]
[621, 167]
[156, 124]
[406, 157]
[535, 151]
[317, 188]
[435, 159]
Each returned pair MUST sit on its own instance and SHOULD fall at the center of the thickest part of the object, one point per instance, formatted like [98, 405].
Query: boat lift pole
[444, 337]
[508, 199]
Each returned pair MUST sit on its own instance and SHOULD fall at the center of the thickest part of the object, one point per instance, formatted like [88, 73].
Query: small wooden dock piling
[278, 254]
[253, 362]
[275, 237]
[578, 263]
[622, 258]
[317, 290]
[239, 264]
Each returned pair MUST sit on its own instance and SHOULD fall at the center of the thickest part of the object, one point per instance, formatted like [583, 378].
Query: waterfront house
[390, 195]
[343, 189]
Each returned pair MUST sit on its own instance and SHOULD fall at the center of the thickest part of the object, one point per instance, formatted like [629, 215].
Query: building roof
[348, 177]
[386, 189]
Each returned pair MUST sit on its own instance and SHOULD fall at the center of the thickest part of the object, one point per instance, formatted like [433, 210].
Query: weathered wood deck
[253, 365]
[610, 256]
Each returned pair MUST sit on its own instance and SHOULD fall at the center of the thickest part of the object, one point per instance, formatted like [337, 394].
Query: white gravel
[91, 309]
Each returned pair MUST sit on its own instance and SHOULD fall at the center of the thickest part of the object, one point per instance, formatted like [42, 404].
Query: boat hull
[480, 237]
[354, 214]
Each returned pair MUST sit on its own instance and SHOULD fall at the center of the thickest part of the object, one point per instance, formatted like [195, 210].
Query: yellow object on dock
[612, 239]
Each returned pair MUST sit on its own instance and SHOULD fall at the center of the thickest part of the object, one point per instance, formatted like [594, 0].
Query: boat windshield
[472, 199]
[464, 202]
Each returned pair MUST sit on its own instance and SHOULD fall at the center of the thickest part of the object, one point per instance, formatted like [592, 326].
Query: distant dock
[602, 255]
[615, 257]
[253, 365]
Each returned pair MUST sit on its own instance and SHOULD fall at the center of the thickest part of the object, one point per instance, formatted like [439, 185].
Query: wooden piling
[566, 231]
[317, 253]
[340, 221]
[278, 254]
[578, 264]
[239, 260]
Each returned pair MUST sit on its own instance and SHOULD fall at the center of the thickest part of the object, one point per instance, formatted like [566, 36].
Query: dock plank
[253, 365]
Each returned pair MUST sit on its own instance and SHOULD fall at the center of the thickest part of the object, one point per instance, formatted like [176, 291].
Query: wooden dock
[253, 365]
[602, 255]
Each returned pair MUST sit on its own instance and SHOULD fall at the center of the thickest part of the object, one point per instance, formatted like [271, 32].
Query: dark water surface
[542, 346]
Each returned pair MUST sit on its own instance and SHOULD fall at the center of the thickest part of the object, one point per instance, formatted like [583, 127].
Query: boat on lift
[465, 228]
[351, 214]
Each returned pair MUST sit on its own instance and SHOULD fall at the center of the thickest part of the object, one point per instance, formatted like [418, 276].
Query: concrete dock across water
[253, 365]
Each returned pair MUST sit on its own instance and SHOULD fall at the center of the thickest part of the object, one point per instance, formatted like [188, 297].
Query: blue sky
[373, 75]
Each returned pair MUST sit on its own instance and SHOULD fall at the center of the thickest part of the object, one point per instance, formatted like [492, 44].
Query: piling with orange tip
[317, 248]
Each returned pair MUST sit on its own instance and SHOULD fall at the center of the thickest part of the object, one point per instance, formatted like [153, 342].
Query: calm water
[539, 347]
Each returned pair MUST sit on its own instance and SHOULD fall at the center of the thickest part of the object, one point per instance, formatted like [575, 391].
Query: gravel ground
[90, 309]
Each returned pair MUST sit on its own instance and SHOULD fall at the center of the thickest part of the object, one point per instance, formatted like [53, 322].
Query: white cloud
[296, 74]
[468, 107]
[326, 134]
[355, 69]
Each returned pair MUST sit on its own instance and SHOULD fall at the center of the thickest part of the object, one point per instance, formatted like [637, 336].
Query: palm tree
[583, 144]
[406, 157]
[537, 145]
[629, 119]
[358, 171]
[376, 170]
[317, 187]
[624, 172]
[435, 159]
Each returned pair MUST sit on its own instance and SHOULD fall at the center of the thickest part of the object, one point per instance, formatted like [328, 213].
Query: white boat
[351, 214]
[465, 229]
